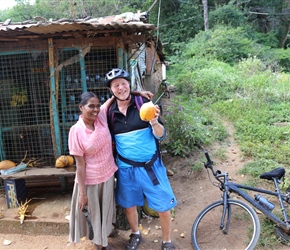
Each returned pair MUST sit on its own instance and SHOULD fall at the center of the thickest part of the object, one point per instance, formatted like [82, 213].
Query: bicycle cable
[216, 184]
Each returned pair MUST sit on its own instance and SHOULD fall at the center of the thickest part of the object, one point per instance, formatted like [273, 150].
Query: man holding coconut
[141, 172]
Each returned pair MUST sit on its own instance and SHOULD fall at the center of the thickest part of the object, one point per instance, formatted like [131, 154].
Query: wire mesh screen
[24, 102]
[75, 79]
[98, 63]
[25, 117]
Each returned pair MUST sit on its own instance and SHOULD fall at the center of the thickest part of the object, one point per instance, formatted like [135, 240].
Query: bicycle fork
[226, 213]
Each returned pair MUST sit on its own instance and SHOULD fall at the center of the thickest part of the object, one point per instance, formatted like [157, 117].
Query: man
[141, 172]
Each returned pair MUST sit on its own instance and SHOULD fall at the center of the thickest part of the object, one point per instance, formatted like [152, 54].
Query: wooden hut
[46, 65]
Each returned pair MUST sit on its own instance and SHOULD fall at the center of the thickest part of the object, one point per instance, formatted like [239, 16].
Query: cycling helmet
[116, 73]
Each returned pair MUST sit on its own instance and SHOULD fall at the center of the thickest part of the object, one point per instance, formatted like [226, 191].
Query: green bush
[223, 43]
[277, 59]
[227, 15]
[189, 126]
[206, 81]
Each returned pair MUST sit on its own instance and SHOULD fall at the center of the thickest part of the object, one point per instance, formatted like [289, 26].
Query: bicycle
[230, 223]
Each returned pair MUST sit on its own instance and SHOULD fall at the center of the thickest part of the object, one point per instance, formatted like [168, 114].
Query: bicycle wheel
[243, 232]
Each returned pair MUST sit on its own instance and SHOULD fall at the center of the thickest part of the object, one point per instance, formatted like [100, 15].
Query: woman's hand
[82, 201]
[147, 94]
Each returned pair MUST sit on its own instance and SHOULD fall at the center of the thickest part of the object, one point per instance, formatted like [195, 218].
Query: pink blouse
[96, 148]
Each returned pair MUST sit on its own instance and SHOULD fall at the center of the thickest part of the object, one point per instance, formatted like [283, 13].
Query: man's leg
[132, 217]
[135, 237]
[165, 222]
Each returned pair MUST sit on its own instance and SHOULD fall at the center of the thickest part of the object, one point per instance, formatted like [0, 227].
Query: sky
[4, 4]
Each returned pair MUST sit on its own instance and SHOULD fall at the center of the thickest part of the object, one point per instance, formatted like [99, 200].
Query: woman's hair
[85, 97]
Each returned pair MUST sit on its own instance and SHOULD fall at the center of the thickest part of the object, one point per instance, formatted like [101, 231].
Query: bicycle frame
[228, 187]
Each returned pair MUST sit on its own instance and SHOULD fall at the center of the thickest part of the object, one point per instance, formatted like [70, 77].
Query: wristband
[156, 123]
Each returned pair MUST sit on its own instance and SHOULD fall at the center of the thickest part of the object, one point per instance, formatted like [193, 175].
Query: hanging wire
[152, 6]
[157, 40]
[158, 20]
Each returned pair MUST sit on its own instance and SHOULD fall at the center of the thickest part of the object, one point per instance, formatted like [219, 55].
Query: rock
[7, 242]
[169, 172]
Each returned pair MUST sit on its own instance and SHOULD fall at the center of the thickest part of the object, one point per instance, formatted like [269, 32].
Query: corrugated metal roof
[127, 22]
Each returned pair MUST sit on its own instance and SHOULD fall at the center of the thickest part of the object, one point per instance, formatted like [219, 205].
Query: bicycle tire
[283, 236]
[243, 233]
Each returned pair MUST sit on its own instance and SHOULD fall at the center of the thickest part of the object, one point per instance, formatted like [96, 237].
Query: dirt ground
[193, 191]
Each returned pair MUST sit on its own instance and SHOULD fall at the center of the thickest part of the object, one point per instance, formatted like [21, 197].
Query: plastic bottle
[264, 202]
[72, 99]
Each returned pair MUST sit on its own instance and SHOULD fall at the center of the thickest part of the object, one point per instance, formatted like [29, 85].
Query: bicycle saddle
[276, 173]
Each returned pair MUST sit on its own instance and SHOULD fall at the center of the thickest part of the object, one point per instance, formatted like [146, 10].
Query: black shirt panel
[121, 124]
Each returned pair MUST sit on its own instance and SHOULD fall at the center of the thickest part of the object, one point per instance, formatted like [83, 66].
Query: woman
[91, 145]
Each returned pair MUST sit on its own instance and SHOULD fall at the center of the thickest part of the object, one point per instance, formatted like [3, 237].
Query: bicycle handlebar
[209, 164]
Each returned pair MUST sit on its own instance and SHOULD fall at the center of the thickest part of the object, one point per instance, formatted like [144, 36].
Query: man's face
[121, 88]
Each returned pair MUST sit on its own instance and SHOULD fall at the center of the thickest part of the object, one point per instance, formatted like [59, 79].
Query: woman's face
[121, 88]
[91, 110]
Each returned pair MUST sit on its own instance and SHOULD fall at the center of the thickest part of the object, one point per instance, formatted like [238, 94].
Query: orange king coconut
[147, 111]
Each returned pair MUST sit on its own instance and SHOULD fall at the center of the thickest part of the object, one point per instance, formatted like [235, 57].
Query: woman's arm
[109, 102]
[81, 175]
[147, 94]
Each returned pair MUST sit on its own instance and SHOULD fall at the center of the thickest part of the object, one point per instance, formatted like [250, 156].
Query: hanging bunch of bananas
[19, 97]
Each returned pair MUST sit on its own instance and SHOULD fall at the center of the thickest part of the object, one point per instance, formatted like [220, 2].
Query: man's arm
[158, 129]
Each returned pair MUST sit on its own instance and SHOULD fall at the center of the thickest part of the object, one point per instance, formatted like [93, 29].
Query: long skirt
[101, 206]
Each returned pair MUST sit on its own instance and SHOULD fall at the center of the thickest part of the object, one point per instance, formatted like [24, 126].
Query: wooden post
[54, 120]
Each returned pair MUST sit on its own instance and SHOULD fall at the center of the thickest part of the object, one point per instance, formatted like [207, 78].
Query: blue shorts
[133, 183]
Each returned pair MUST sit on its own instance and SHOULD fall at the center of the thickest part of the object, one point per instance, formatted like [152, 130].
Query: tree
[205, 14]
